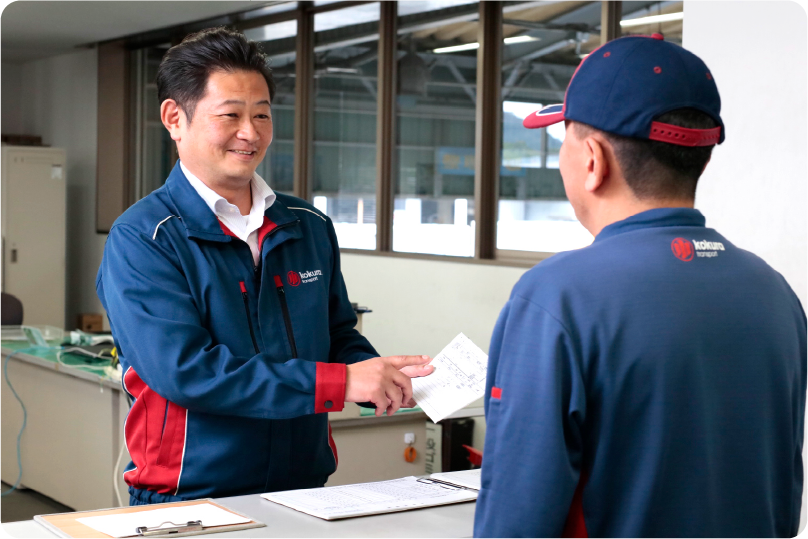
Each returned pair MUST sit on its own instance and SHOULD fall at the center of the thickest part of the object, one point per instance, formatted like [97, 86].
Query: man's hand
[381, 381]
[416, 371]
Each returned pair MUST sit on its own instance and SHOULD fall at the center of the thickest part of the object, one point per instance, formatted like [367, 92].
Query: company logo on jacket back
[685, 249]
[295, 278]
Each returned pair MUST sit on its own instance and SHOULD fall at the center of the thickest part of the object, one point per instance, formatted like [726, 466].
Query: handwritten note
[458, 379]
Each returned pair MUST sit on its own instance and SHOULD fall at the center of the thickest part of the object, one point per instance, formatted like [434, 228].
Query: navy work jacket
[232, 367]
[649, 385]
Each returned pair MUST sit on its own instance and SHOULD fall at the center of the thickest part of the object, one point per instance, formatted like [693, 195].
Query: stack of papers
[463, 478]
[331, 503]
[457, 381]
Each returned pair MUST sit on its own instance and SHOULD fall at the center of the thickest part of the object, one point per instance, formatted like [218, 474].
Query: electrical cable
[115, 475]
[59, 351]
[24, 412]
[75, 350]
[118, 465]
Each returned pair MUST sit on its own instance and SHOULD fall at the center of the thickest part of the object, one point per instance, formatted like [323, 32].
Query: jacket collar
[201, 223]
[659, 217]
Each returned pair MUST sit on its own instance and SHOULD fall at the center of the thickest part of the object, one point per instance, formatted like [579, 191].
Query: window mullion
[488, 128]
[385, 124]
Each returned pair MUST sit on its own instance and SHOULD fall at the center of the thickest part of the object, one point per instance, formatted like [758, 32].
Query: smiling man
[227, 303]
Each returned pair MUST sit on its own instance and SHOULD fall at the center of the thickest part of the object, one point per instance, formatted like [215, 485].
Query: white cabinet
[33, 223]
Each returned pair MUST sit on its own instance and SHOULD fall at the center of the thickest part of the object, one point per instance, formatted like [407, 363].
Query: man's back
[665, 365]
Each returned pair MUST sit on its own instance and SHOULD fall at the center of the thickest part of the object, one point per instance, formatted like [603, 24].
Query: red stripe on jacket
[155, 437]
[266, 227]
[575, 525]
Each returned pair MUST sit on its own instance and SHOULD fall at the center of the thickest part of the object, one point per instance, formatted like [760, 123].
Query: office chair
[11, 310]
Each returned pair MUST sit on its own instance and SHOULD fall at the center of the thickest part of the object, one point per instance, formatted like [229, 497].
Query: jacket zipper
[281, 294]
[286, 318]
[246, 299]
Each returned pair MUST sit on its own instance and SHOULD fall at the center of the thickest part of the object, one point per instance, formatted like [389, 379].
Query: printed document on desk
[332, 503]
[458, 379]
[463, 478]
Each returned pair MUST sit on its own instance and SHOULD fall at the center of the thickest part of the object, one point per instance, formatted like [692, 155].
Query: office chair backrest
[11, 310]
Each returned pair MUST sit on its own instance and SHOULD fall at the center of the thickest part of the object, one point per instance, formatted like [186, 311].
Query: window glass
[154, 147]
[435, 107]
[278, 42]
[344, 162]
[533, 213]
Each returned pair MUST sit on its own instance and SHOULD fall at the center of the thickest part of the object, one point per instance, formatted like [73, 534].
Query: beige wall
[57, 98]
[754, 190]
[419, 306]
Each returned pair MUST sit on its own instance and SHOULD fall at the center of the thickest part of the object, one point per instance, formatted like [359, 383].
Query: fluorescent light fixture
[457, 48]
[349, 70]
[474, 46]
[519, 39]
[653, 19]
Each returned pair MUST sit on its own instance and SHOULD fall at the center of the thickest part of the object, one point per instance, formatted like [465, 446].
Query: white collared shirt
[244, 226]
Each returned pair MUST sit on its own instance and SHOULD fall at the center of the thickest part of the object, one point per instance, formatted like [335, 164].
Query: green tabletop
[78, 361]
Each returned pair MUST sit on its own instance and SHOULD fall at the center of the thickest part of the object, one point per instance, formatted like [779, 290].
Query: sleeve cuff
[329, 389]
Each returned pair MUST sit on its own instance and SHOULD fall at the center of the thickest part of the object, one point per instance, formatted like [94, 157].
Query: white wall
[754, 190]
[420, 305]
[56, 98]
[10, 95]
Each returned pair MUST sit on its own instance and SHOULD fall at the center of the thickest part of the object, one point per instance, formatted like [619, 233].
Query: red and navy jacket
[232, 367]
[649, 385]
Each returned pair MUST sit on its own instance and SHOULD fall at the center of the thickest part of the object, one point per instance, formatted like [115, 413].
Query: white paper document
[331, 503]
[463, 478]
[458, 379]
[126, 524]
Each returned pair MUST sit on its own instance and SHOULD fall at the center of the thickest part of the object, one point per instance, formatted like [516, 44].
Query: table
[74, 429]
[455, 520]
[75, 423]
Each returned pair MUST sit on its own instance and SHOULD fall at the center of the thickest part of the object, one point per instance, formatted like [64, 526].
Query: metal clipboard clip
[444, 484]
[190, 526]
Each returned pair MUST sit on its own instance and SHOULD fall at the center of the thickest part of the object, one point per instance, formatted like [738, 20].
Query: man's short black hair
[657, 170]
[185, 68]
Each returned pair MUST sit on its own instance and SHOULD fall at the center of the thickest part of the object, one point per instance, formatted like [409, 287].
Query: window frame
[488, 116]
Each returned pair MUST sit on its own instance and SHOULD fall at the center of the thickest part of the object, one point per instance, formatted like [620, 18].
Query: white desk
[445, 521]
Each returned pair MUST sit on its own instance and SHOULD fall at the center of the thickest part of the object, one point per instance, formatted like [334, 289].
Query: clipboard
[66, 525]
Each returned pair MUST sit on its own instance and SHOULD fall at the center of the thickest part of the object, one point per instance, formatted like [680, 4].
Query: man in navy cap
[653, 383]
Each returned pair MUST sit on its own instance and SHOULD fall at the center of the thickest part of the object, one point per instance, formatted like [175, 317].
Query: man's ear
[173, 118]
[597, 167]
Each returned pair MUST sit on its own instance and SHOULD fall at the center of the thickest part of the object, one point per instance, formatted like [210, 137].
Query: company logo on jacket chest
[685, 249]
[295, 278]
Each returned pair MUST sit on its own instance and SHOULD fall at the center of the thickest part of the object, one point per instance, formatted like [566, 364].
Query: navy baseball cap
[625, 84]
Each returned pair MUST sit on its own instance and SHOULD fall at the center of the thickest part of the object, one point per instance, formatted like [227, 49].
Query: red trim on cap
[496, 392]
[683, 136]
[330, 386]
[534, 121]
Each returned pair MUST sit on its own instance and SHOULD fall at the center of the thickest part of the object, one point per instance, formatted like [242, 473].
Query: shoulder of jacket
[301, 208]
[148, 215]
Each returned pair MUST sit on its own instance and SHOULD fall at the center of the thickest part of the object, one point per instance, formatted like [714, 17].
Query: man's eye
[263, 116]
[232, 115]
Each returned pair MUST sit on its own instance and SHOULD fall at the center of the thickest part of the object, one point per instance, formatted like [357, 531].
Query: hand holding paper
[458, 379]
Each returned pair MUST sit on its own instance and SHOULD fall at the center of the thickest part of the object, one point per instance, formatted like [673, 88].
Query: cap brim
[549, 115]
